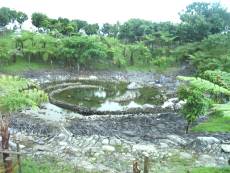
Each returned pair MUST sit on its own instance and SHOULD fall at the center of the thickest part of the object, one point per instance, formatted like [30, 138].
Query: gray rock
[105, 142]
[62, 143]
[60, 137]
[206, 160]
[144, 148]
[108, 148]
[185, 155]
[115, 141]
[208, 140]
[41, 148]
[93, 77]
[225, 148]
[205, 144]
[134, 85]
[177, 139]
[164, 145]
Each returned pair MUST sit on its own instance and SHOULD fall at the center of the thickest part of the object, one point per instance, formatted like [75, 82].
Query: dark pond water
[109, 96]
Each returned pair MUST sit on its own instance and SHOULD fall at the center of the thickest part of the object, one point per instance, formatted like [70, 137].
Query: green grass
[214, 124]
[218, 121]
[210, 170]
[22, 65]
[51, 166]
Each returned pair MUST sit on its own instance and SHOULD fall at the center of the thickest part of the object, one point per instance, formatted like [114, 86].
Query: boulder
[133, 85]
[205, 144]
[177, 139]
[108, 148]
[225, 148]
[145, 148]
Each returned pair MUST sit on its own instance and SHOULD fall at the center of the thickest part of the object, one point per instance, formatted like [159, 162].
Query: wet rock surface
[110, 143]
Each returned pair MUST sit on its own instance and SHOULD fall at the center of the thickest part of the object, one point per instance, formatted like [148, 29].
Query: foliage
[38, 19]
[9, 16]
[18, 93]
[211, 53]
[196, 103]
[201, 19]
[210, 170]
[164, 62]
[205, 86]
[218, 77]
[136, 42]
[199, 94]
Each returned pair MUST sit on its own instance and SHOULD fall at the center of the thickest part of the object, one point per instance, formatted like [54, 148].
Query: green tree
[91, 29]
[38, 19]
[21, 18]
[7, 16]
[201, 19]
[81, 24]
[134, 30]
[196, 103]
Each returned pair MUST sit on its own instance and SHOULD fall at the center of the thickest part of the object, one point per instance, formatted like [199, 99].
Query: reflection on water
[110, 96]
[100, 93]
[110, 106]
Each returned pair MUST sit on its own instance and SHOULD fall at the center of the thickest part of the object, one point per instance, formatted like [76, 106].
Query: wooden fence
[8, 166]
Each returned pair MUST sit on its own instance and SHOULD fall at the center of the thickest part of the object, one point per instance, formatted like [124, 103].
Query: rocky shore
[110, 143]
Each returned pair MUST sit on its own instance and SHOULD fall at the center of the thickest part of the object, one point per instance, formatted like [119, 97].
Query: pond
[109, 96]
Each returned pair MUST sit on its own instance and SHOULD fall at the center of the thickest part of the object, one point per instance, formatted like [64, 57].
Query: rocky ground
[110, 143]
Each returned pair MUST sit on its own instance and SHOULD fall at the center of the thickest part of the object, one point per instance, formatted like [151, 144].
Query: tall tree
[7, 16]
[91, 29]
[38, 19]
[201, 19]
[21, 18]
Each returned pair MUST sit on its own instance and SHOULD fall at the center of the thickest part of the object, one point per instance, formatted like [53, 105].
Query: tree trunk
[131, 59]
[5, 136]
[187, 127]
[14, 58]
[5, 143]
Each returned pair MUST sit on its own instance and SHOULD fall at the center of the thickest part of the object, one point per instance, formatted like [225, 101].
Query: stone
[132, 104]
[206, 161]
[208, 140]
[179, 104]
[144, 148]
[169, 103]
[14, 145]
[205, 144]
[60, 137]
[133, 85]
[108, 148]
[225, 148]
[164, 145]
[105, 142]
[115, 141]
[62, 143]
[185, 155]
[40, 148]
[177, 139]
[145, 106]
[93, 77]
[22, 137]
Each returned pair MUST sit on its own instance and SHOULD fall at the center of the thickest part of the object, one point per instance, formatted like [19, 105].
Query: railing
[8, 166]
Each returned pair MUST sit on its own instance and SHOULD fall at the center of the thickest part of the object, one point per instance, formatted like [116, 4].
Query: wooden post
[146, 164]
[9, 165]
[136, 167]
[19, 159]
[5, 134]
